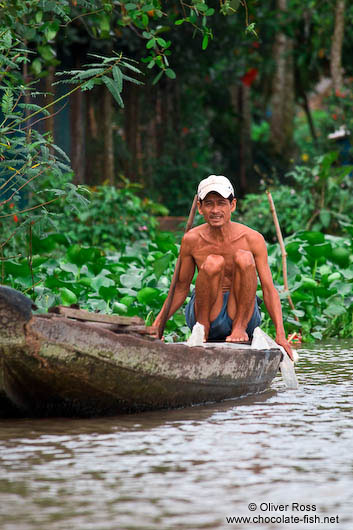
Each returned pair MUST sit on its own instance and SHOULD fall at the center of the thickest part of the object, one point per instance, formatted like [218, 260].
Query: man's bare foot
[206, 331]
[238, 335]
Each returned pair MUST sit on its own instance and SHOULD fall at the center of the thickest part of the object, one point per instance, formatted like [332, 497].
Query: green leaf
[84, 74]
[118, 77]
[170, 73]
[316, 334]
[147, 294]
[251, 29]
[132, 80]
[340, 255]
[298, 312]
[68, 297]
[104, 23]
[130, 67]
[107, 292]
[102, 281]
[130, 280]
[130, 6]
[69, 267]
[127, 300]
[205, 42]
[38, 16]
[316, 251]
[234, 4]
[36, 66]
[7, 101]
[113, 89]
[82, 255]
[325, 217]
[157, 78]
[333, 277]
[348, 274]
[334, 310]
[161, 42]
[165, 242]
[151, 43]
[161, 264]
[119, 308]
[201, 7]
[179, 21]
[51, 30]
[17, 269]
[46, 52]
[179, 319]
[312, 237]
[128, 292]
[327, 160]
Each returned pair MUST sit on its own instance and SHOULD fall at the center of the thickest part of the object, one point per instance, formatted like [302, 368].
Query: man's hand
[282, 341]
[153, 331]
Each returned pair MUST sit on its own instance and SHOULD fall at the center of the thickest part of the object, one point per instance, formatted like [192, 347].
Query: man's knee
[244, 260]
[213, 264]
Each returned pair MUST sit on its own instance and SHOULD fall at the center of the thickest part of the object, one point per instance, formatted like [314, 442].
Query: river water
[289, 453]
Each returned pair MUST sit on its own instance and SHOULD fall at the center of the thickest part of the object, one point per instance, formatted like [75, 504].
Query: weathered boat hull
[52, 365]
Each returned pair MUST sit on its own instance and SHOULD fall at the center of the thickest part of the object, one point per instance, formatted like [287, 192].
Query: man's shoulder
[246, 230]
[194, 234]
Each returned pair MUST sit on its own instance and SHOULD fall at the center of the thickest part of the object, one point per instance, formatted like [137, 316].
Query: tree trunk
[244, 103]
[78, 127]
[282, 101]
[108, 163]
[49, 89]
[27, 94]
[131, 127]
[94, 134]
[336, 47]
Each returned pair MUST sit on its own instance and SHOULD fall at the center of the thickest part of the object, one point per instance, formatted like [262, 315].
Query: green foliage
[320, 198]
[320, 277]
[108, 72]
[332, 123]
[134, 282]
[36, 173]
[114, 218]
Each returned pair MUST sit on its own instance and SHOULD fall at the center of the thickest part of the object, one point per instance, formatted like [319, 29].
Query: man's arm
[271, 297]
[186, 273]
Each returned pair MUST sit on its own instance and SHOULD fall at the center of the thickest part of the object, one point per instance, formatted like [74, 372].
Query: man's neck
[221, 233]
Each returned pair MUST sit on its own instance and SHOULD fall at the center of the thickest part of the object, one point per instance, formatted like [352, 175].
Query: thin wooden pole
[169, 300]
[283, 250]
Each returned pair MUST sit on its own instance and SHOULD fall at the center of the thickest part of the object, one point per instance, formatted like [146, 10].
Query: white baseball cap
[217, 183]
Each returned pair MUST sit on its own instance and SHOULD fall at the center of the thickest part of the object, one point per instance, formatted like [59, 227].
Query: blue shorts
[221, 327]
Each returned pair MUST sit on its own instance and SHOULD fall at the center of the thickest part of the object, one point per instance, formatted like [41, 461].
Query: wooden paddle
[169, 300]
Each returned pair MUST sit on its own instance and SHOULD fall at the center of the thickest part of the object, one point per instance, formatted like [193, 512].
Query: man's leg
[242, 296]
[208, 291]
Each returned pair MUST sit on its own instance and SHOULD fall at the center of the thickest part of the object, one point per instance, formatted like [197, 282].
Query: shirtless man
[228, 257]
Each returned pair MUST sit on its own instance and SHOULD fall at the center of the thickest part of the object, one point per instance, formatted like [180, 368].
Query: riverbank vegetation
[152, 98]
[114, 259]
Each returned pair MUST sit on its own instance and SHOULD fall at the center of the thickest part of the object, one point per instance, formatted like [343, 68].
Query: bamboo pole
[168, 302]
[283, 250]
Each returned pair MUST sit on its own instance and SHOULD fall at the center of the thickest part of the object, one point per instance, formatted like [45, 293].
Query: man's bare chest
[225, 249]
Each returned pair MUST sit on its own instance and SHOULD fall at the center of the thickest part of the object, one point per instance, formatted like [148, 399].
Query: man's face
[216, 210]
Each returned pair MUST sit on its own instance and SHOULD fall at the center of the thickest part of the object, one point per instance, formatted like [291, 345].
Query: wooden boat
[65, 364]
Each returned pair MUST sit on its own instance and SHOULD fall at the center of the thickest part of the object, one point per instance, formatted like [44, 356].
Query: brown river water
[284, 459]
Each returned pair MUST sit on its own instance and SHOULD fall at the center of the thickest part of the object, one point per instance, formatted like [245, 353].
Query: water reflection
[190, 468]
